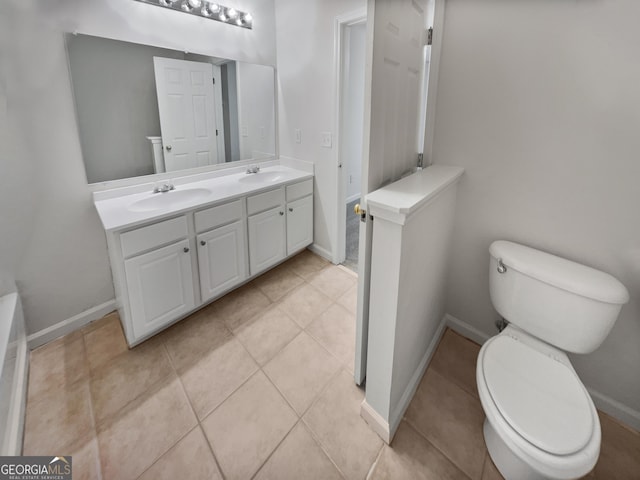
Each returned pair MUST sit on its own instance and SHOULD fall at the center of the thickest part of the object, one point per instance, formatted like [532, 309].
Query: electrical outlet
[298, 135]
[325, 139]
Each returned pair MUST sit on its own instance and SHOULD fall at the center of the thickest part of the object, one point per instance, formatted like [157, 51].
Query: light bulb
[222, 17]
[213, 7]
[195, 3]
[248, 18]
[232, 13]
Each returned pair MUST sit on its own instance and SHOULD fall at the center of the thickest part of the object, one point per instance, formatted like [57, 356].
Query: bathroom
[537, 101]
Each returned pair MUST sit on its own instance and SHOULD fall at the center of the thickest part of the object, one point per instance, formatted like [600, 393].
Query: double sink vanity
[199, 237]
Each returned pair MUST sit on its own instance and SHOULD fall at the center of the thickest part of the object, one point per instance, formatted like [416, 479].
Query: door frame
[341, 22]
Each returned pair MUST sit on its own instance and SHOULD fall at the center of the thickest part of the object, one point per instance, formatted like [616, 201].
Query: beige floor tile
[333, 281]
[619, 453]
[451, 419]
[276, 283]
[189, 459]
[265, 335]
[86, 460]
[349, 299]
[126, 377]
[490, 472]
[335, 330]
[56, 421]
[211, 380]
[455, 359]
[335, 421]
[57, 365]
[298, 457]
[306, 264]
[101, 322]
[140, 434]
[304, 304]
[241, 305]
[105, 343]
[301, 370]
[411, 456]
[248, 426]
[192, 338]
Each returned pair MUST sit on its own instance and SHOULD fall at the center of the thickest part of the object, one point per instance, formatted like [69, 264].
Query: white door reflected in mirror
[186, 104]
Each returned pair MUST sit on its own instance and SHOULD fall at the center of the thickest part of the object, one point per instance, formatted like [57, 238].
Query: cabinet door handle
[185, 249]
[281, 213]
[290, 209]
[203, 243]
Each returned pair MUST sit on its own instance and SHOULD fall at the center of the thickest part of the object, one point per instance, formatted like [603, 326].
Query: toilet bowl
[540, 420]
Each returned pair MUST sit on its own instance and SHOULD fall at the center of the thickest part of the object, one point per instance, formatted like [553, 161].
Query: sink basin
[261, 177]
[172, 199]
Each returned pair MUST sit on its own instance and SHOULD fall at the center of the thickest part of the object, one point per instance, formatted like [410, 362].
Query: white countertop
[116, 213]
[399, 200]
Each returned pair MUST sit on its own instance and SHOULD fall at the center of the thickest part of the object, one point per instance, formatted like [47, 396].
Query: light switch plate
[298, 135]
[325, 139]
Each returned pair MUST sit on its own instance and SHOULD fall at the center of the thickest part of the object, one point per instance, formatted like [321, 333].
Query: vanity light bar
[207, 9]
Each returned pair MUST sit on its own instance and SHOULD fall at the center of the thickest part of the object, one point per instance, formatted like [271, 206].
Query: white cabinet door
[267, 237]
[160, 285]
[221, 258]
[299, 224]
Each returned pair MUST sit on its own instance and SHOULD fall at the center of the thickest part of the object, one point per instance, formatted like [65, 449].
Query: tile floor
[259, 385]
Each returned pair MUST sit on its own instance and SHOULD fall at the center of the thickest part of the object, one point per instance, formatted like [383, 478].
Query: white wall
[540, 103]
[52, 240]
[353, 107]
[306, 71]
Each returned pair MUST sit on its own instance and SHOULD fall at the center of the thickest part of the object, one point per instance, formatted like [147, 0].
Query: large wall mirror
[143, 110]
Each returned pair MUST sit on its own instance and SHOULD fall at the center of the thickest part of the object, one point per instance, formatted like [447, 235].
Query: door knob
[281, 213]
[358, 211]
[186, 249]
[290, 209]
[203, 243]
[168, 148]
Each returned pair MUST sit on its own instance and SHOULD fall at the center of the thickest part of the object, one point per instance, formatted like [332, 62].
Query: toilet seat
[549, 465]
[539, 396]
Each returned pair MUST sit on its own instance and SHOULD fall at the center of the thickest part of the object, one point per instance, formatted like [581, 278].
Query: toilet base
[507, 463]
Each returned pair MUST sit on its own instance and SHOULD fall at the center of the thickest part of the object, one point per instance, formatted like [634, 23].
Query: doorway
[352, 50]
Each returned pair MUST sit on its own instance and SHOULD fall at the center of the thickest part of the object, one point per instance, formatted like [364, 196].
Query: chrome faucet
[164, 188]
[253, 169]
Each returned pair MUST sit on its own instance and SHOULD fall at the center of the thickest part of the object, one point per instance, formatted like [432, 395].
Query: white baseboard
[466, 330]
[318, 250]
[608, 405]
[15, 421]
[353, 197]
[376, 422]
[387, 430]
[70, 324]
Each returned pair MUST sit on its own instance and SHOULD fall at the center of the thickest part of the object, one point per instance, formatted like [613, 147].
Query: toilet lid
[541, 398]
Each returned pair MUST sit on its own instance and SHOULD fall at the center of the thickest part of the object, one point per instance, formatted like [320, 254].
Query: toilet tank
[563, 303]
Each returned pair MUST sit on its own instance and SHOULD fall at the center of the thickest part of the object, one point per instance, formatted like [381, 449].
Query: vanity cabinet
[299, 216]
[160, 286]
[165, 270]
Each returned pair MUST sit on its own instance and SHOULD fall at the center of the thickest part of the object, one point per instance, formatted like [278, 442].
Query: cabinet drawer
[217, 216]
[265, 201]
[152, 236]
[299, 190]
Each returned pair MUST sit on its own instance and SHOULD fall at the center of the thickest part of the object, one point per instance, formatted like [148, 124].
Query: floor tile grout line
[193, 410]
[373, 466]
[275, 449]
[322, 447]
[415, 429]
[167, 450]
[94, 423]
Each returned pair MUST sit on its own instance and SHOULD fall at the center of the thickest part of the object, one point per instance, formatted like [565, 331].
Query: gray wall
[116, 103]
[52, 242]
[540, 103]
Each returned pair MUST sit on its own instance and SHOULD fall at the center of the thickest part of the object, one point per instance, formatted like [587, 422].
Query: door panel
[160, 285]
[299, 224]
[395, 43]
[267, 239]
[187, 108]
[221, 258]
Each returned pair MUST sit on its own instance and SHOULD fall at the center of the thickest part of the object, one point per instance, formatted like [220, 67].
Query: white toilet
[540, 421]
